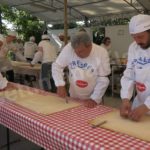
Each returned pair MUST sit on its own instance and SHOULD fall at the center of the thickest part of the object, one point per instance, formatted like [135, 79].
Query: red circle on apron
[81, 84]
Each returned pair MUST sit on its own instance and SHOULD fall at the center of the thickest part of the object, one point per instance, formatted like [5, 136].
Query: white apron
[142, 81]
[82, 82]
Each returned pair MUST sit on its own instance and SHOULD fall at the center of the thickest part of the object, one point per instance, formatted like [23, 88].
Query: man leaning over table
[137, 71]
[88, 66]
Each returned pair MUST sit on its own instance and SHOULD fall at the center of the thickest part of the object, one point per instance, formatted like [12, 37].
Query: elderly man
[138, 70]
[88, 66]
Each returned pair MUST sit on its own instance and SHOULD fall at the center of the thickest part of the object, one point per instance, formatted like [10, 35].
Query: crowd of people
[89, 67]
[12, 49]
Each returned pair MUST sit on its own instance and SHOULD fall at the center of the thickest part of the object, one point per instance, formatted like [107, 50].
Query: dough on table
[36, 102]
[116, 123]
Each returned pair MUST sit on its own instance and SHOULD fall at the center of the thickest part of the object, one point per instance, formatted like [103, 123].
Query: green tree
[24, 23]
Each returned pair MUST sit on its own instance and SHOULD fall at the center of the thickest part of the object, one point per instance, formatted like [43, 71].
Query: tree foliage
[61, 26]
[24, 23]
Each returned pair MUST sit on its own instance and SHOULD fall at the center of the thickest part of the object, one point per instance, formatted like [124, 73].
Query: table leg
[112, 81]
[7, 134]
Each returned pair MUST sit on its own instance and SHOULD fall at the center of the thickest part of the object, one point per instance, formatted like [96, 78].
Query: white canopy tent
[63, 11]
[52, 11]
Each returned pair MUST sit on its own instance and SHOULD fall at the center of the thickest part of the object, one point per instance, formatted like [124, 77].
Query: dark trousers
[10, 75]
[46, 77]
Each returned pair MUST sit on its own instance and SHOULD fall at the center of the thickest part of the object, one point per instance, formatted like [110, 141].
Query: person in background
[20, 45]
[82, 30]
[88, 66]
[30, 48]
[106, 43]
[13, 49]
[137, 71]
[47, 54]
[62, 39]
[5, 64]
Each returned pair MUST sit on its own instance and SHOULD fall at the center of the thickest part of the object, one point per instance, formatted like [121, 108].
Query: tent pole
[65, 23]
[1, 30]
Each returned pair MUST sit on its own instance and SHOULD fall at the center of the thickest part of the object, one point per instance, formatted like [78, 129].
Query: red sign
[81, 84]
[140, 87]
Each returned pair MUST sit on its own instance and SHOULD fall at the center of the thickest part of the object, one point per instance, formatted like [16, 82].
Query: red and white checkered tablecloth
[66, 130]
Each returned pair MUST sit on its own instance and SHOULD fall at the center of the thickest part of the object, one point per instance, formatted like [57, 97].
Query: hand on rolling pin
[125, 108]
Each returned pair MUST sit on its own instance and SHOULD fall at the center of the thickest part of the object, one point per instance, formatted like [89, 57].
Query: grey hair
[80, 38]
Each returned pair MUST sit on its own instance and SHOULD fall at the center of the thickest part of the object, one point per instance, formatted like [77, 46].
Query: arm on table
[58, 72]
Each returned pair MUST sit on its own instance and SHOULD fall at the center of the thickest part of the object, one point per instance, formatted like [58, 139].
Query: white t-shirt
[29, 49]
[87, 76]
[13, 46]
[137, 74]
[49, 51]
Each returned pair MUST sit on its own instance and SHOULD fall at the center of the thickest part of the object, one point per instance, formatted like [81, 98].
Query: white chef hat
[139, 23]
[45, 37]
[32, 38]
[12, 33]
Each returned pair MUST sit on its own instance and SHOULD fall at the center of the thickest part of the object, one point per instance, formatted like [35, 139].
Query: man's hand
[125, 108]
[31, 65]
[9, 87]
[1, 90]
[137, 113]
[90, 103]
[61, 91]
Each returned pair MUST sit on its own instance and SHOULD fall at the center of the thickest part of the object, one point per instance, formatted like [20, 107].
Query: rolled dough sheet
[38, 103]
[116, 123]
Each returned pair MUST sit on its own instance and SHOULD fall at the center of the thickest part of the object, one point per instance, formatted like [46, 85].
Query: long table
[25, 68]
[65, 130]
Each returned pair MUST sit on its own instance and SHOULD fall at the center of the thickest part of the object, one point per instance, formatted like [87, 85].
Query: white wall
[120, 40]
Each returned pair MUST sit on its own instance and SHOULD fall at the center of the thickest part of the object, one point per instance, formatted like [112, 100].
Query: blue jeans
[46, 77]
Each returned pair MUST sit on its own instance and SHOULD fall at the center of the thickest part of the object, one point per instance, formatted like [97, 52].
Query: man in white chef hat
[12, 46]
[137, 73]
